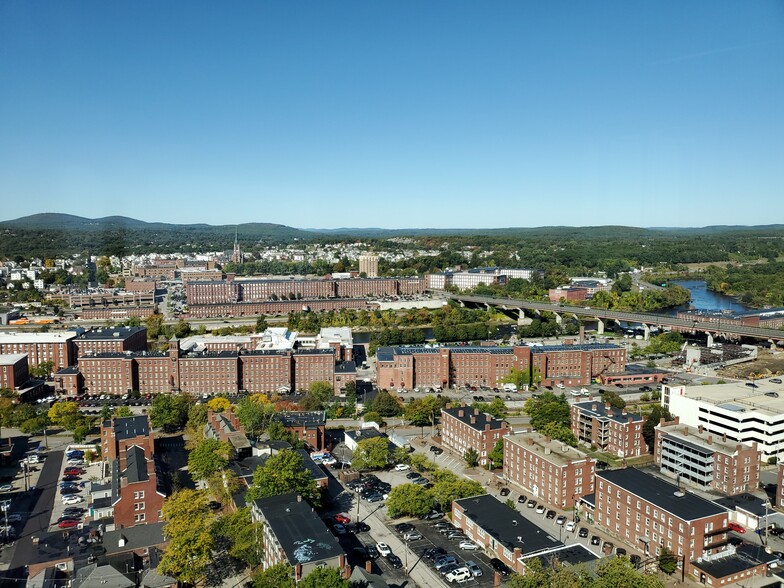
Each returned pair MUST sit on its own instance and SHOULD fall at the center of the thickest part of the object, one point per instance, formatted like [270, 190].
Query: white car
[570, 526]
[459, 575]
[72, 499]
[383, 549]
[540, 509]
[560, 386]
[468, 545]
[402, 467]
[6, 488]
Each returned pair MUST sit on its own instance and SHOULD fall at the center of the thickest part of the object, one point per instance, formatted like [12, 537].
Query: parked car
[342, 519]
[570, 526]
[500, 566]
[68, 524]
[459, 575]
[475, 570]
[620, 551]
[383, 549]
[72, 499]
[583, 532]
[404, 527]
[550, 514]
[358, 527]
[413, 535]
[560, 520]
[540, 509]
[505, 491]
[412, 475]
[595, 540]
[457, 534]
[449, 568]
[432, 515]
[468, 545]
[733, 526]
[339, 529]
[531, 503]
[607, 548]
[371, 551]
[433, 553]
[444, 560]
[69, 490]
[521, 499]
[402, 467]
[394, 561]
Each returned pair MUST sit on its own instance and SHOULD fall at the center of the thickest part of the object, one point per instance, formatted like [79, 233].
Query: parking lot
[81, 484]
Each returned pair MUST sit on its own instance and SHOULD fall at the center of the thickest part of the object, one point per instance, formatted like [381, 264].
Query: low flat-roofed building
[500, 529]
[745, 414]
[570, 555]
[548, 469]
[295, 534]
[735, 568]
[705, 460]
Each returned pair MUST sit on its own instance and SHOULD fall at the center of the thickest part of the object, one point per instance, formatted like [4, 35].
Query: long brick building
[453, 366]
[464, 428]
[611, 430]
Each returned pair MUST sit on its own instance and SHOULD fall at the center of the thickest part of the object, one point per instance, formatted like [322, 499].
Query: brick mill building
[548, 469]
[696, 457]
[454, 366]
[610, 430]
[650, 514]
[464, 428]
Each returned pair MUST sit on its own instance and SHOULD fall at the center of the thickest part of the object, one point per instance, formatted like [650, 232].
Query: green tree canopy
[409, 500]
[548, 408]
[471, 457]
[238, 535]
[496, 456]
[323, 578]
[614, 399]
[385, 404]
[278, 576]
[189, 532]
[372, 454]
[282, 473]
[657, 413]
[169, 411]
[208, 457]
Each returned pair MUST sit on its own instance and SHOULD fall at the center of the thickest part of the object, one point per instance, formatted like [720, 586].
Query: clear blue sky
[394, 114]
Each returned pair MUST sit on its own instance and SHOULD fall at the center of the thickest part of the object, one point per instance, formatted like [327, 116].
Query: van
[560, 386]
[510, 387]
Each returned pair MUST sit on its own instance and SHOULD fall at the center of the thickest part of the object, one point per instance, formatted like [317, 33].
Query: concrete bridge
[646, 320]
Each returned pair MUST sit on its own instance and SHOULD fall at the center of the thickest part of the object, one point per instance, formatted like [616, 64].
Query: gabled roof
[136, 465]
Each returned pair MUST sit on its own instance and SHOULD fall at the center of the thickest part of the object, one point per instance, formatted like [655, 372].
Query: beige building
[368, 264]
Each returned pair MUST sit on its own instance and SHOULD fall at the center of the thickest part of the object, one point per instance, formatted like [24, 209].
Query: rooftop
[473, 418]
[310, 418]
[506, 525]
[686, 506]
[551, 450]
[601, 411]
[346, 367]
[578, 347]
[110, 333]
[129, 427]
[747, 502]
[49, 337]
[700, 440]
[746, 557]
[136, 465]
[302, 535]
[739, 398]
[12, 358]
[567, 554]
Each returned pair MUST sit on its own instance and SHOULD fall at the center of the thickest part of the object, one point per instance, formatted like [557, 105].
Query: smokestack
[582, 334]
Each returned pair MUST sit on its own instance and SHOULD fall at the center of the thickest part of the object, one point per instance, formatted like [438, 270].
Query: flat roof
[660, 493]
[738, 397]
[745, 557]
[506, 525]
[48, 337]
[692, 437]
[576, 347]
[576, 554]
[552, 450]
[11, 358]
[110, 333]
[301, 533]
[309, 418]
[748, 502]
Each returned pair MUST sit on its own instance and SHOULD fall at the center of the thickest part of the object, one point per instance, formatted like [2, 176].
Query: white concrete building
[743, 413]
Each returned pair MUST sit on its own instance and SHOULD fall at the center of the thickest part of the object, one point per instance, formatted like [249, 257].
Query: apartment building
[226, 427]
[463, 428]
[650, 513]
[611, 430]
[138, 489]
[309, 426]
[577, 365]
[13, 370]
[294, 534]
[548, 469]
[54, 346]
[118, 434]
[693, 456]
[368, 265]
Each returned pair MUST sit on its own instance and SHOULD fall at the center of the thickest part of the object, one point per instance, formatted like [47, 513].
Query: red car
[736, 527]
[342, 519]
[68, 523]
[73, 472]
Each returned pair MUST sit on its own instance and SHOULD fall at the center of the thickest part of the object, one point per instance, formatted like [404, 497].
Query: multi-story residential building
[611, 430]
[108, 373]
[707, 461]
[465, 280]
[743, 413]
[650, 513]
[116, 314]
[110, 340]
[138, 491]
[209, 372]
[368, 265]
[313, 365]
[226, 427]
[13, 370]
[309, 426]
[265, 371]
[118, 434]
[294, 534]
[54, 346]
[464, 428]
[548, 469]
[446, 367]
[500, 530]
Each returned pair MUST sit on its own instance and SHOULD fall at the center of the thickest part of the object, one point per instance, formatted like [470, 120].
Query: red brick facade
[610, 430]
[463, 428]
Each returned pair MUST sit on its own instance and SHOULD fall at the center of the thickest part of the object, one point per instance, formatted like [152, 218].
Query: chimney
[582, 336]
[623, 412]
[701, 429]
[369, 566]
[487, 426]
[530, 441]
[460, 414]
[685, 431]
[547, 438]
[517, 553]
[476, 411]
[299, 498]
[661, 422]
[608, 407]
[724, 437]
[594, 407]
[473, 420]
[710, 439]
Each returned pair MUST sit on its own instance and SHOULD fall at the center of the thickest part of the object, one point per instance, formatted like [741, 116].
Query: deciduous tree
[409, 499]
[278, 576]
[371, 454]
[282, 473]
[189, 532]
[208, 457]
[169, 412]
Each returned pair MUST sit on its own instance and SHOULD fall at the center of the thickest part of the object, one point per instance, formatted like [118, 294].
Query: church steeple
[236, 256]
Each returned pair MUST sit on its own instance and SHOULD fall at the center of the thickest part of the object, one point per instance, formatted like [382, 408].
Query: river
[704, 299]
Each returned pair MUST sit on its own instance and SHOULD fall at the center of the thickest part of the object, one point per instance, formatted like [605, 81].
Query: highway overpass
[647, 320]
